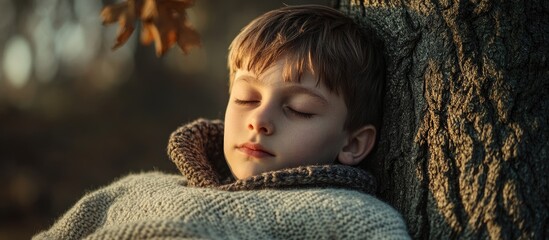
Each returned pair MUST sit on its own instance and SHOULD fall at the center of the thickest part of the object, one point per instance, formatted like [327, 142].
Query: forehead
[282, 70]
[288, 69]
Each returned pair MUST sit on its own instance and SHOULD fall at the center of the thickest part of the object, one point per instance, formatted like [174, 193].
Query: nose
[262, 128]
[261, 122]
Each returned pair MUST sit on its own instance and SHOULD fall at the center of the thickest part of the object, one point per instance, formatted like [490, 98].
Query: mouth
[254, 150]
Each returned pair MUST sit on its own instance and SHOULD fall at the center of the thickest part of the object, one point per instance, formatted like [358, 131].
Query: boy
[306, 85]
[308, 81]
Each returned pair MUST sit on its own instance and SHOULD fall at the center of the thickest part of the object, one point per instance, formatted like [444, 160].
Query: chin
[240, 176]
[243, 174]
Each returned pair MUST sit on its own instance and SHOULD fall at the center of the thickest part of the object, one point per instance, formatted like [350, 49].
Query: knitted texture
[159, 206]
[312, 202]
[197, 150]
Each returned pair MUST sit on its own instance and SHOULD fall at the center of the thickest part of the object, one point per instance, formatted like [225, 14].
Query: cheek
[315, 146]
[231, 116]
[231, 119]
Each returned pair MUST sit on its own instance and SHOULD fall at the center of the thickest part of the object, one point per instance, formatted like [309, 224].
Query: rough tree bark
[464, 147]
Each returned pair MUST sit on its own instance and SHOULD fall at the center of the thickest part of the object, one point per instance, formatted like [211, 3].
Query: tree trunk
[464, 146]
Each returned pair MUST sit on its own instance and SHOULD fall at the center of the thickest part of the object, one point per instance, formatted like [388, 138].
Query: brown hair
[345, 57]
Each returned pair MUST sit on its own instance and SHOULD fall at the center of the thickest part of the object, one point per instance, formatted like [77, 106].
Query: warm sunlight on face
[271, 124]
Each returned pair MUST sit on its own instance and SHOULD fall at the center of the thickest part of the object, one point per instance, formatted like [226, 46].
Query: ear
[358, 146]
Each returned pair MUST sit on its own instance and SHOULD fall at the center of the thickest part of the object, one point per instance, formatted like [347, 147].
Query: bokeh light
[17, 61]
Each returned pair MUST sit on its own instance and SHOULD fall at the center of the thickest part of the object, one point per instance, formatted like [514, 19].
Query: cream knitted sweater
[163, 206]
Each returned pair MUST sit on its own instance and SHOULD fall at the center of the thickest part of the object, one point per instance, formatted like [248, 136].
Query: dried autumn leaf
[112, 13]
[164, 23]
[125, 14]
[149, 34]
[149, 10]
[124, 31]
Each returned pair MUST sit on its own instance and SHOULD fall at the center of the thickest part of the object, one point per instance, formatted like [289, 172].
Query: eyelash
[244, 102]
[292, 111]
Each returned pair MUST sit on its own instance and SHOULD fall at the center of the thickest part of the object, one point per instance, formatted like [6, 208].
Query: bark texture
[464, 146]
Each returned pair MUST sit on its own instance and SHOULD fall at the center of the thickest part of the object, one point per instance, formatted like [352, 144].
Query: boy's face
[271, 124]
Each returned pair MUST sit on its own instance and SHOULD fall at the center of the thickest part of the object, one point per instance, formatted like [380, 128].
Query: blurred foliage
[164, 22]
[75, 115]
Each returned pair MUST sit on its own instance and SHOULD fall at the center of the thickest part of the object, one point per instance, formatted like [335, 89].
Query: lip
[254, 150]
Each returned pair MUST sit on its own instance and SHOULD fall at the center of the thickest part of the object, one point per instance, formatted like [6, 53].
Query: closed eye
[245, 102]
[299, 114]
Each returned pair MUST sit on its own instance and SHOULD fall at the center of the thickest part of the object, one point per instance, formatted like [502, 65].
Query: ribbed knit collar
[197, 151]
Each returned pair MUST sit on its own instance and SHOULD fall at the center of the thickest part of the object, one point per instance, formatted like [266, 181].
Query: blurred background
[74, 115]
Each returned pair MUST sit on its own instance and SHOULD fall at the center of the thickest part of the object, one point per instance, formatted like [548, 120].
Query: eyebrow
[293, 89]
